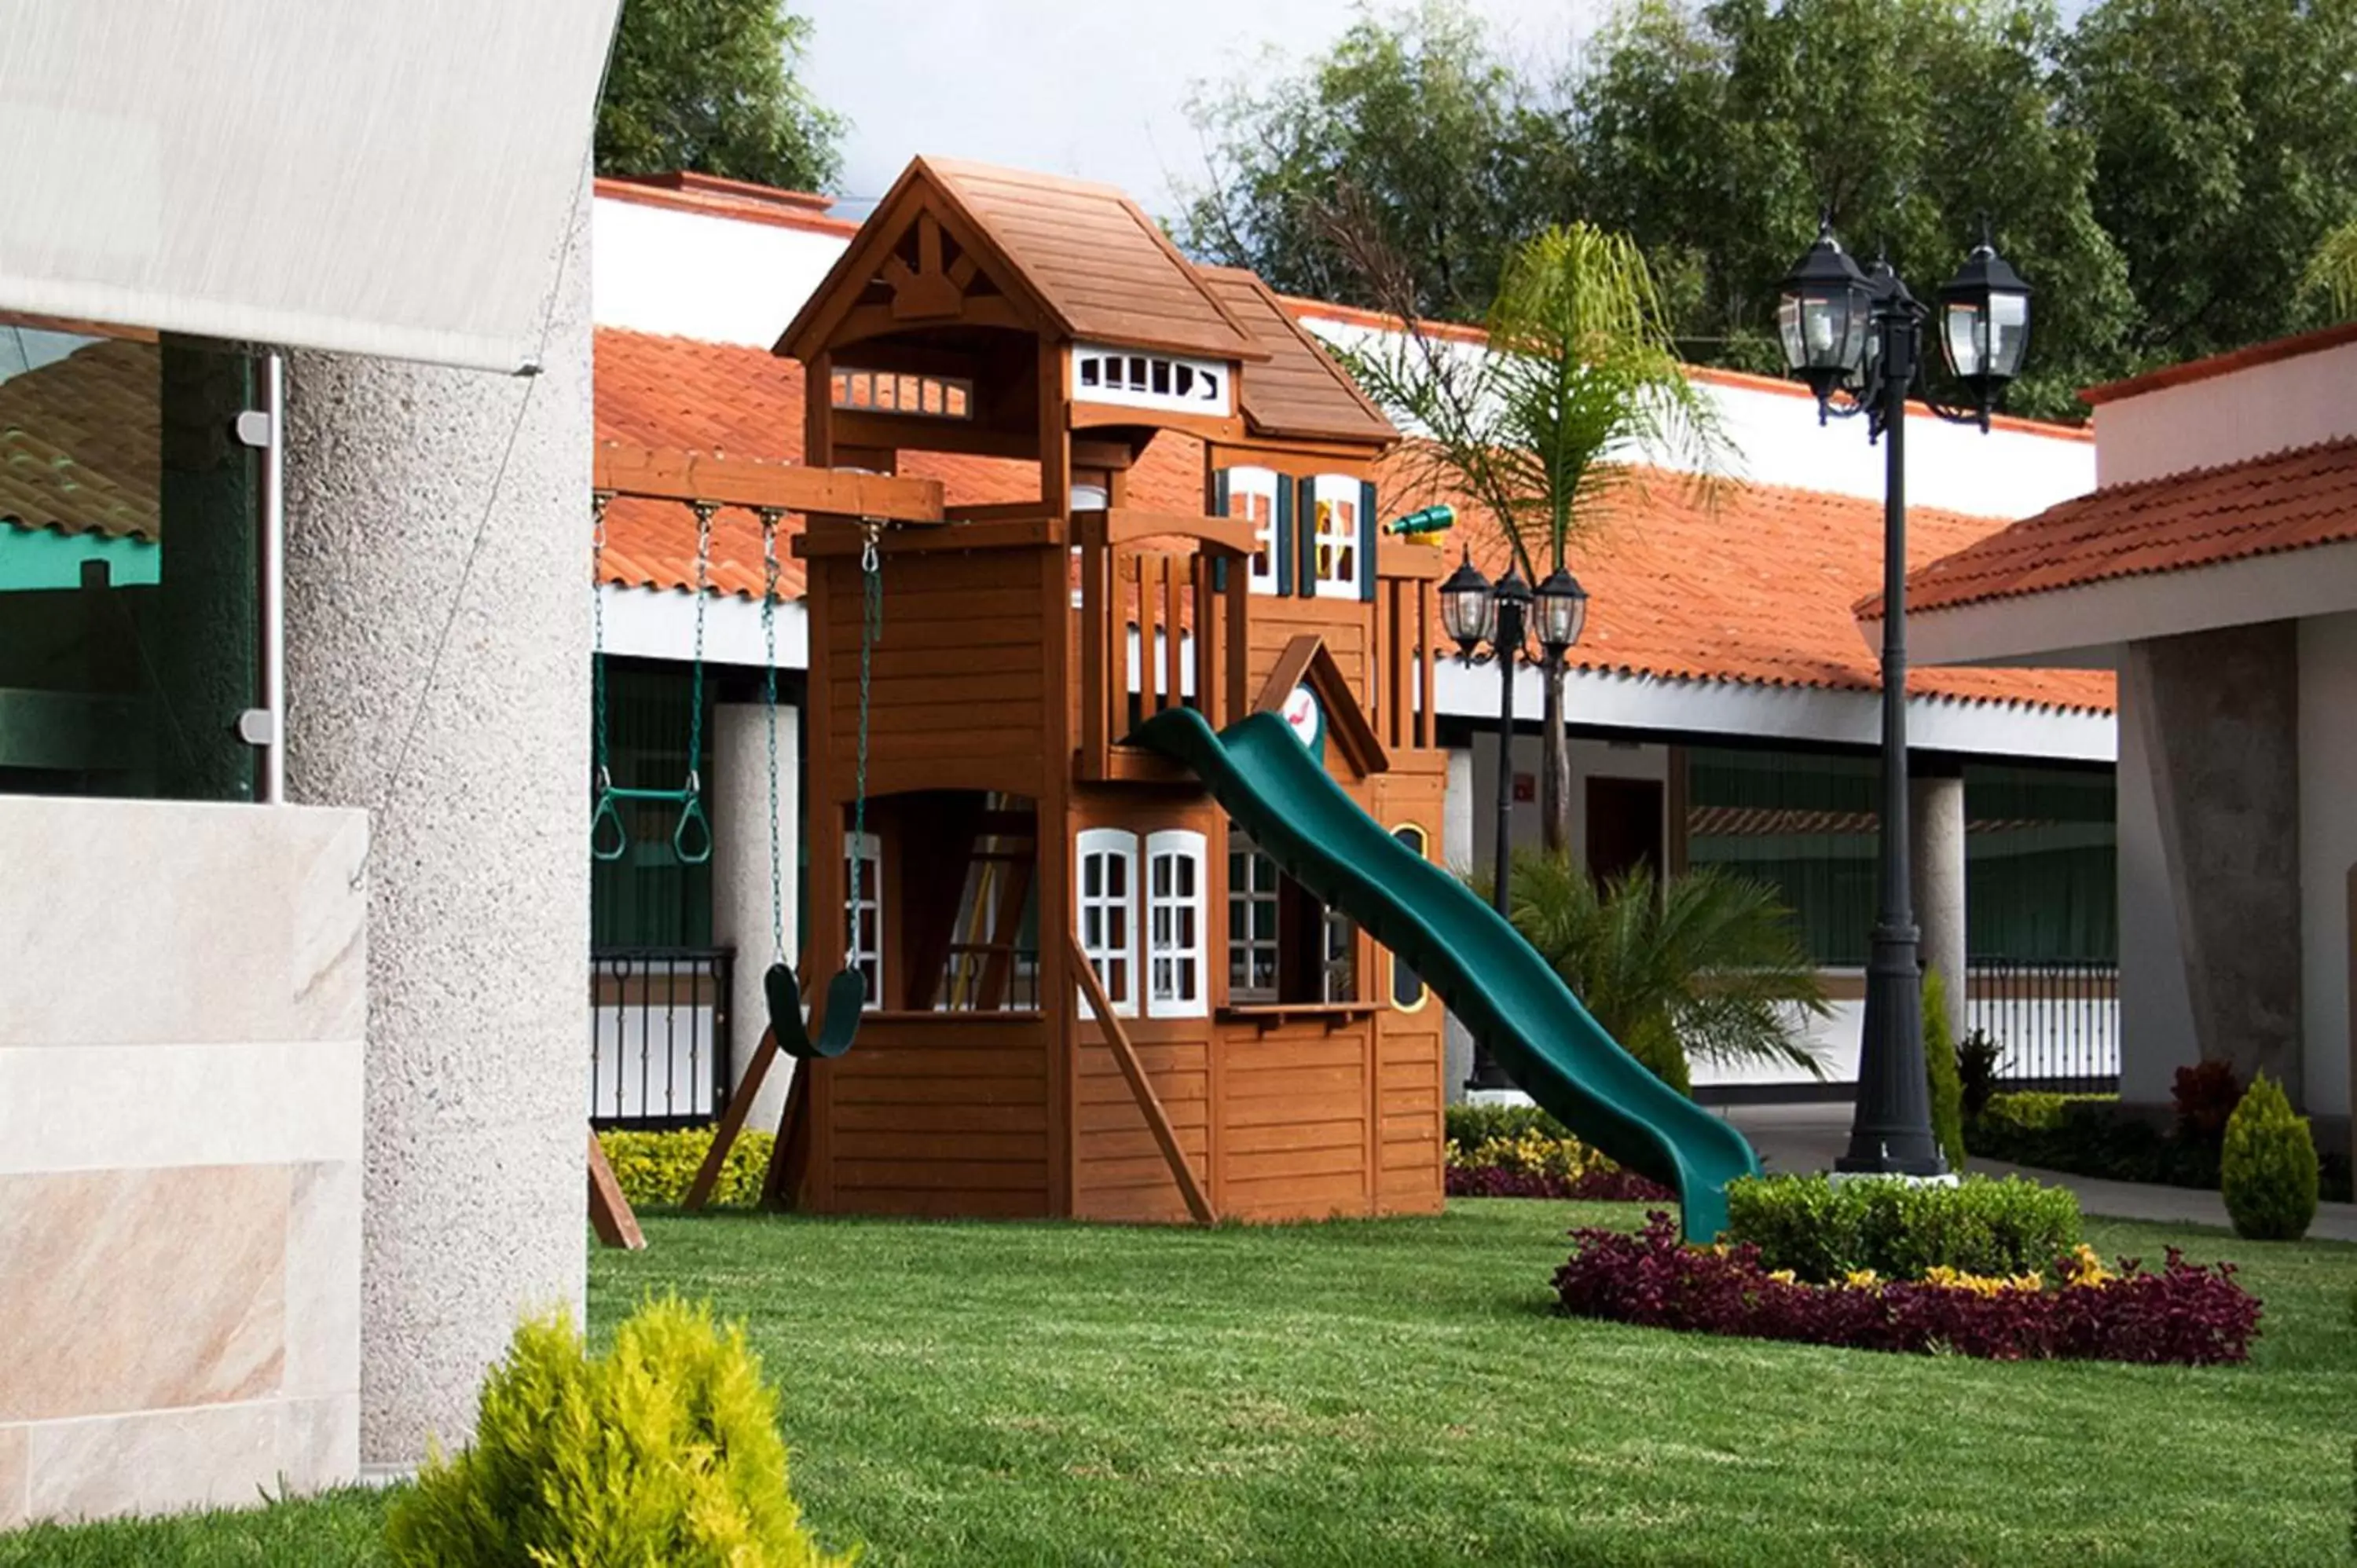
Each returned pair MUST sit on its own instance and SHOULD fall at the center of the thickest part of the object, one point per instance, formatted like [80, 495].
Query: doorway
[1624, 827]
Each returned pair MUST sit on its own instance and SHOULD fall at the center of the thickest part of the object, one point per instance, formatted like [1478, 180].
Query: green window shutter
[1283, 549]
[1305, 525]
[1367, 540]
[1219, 509]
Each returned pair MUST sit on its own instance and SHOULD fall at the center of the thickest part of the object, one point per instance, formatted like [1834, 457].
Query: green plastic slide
[1490, 977]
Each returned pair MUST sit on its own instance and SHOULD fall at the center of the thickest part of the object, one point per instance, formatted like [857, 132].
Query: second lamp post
[1855, 336]
[1476, 611]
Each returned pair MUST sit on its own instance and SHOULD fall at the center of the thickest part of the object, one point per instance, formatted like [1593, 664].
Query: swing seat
[847, 995]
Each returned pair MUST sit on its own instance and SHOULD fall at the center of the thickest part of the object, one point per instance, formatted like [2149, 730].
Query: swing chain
[769, 516]
[598, 501]
[871, 629]
[703, 510]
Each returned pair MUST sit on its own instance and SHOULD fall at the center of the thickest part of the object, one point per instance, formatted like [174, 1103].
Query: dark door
[1624, 827]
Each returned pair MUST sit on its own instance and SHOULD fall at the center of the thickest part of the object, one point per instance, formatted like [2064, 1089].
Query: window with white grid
[1251, 922]
[1252, 495]
[1336, 518]
[1175, 985]
[1106, 869]
[863, 946]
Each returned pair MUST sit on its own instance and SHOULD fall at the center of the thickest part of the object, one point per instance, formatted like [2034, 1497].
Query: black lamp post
[1855, 337]
[1475, 612]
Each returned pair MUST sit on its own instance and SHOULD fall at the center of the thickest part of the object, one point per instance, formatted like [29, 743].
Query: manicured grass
[1398, 1392]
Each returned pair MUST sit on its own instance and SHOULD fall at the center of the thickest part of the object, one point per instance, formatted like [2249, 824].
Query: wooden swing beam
[663, 474]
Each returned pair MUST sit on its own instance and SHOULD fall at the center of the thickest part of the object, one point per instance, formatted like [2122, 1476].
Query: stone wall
[181, 1015]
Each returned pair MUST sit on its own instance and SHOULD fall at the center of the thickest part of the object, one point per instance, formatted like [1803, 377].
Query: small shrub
[2075, 1310]
[1940, 1070]
[1977, 1055]
[2268, 1167]
[1820, 1230]
[1538, 1166]
[665, 1449]
[656, 1168]
[1470, 1126]
[2204, 1095]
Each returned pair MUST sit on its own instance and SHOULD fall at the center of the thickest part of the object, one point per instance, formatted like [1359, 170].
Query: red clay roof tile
[2286, 501]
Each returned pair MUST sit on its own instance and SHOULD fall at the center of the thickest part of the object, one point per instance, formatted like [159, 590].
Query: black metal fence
[2056, 1023]
[658, 1036]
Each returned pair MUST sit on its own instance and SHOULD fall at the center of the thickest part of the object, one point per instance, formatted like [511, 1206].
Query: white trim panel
[659, 623]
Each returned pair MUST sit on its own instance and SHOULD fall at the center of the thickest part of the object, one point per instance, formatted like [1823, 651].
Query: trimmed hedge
[2089, 1134]
[2268, 1167]
[1467, 1127]
[1820, 1230]
[655, 1169]
[2184, 1314]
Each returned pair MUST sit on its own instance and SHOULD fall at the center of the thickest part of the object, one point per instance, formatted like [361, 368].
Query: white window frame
[1175, 926]
[1110, 845]
[1249, 484]
[1138, 378]
[1334, 552]
[868, 850]
[1242, 900]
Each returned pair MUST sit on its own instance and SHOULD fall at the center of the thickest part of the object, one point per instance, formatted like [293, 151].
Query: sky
[1097, 91]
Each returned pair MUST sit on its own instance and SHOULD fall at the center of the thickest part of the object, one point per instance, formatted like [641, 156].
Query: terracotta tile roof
[1755, 586]
[683, 394]
[1096, 261]
[81, 441]
[1301, 392]
[2261, 506]
[684, 191]
[1758, 591]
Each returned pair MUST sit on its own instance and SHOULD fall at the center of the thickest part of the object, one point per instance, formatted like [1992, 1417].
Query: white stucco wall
[2327, 849]
[2268, 407]
[692, 275]
[2155, 1012]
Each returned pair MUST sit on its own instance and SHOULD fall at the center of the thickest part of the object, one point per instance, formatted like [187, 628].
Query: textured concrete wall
[2219, 726]
[2155, 1015]
[740, 874]
[180, 1071]
[2328, 853]
[438, 607]
[1936, 856]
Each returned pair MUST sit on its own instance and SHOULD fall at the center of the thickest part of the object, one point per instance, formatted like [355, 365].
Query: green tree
[2225, 140]
[1716, 136]
[1707, 965]
[1414, 122]
[709, 85]
[1538, 431]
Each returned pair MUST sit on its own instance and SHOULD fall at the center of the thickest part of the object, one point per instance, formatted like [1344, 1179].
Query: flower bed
[1535, 1163]
[2184, 1314]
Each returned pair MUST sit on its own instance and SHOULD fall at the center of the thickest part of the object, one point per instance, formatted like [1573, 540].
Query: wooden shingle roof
[1300, 391]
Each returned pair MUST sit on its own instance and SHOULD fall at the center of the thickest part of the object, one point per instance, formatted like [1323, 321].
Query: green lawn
[1397, 1392]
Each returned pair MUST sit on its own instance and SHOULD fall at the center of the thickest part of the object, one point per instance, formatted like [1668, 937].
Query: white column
[741, 887]
[1937, 808]
[1457, 819]
[437, 675]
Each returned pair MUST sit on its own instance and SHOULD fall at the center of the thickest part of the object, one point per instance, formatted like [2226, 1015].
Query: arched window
[1175, 985]
[1106, 866]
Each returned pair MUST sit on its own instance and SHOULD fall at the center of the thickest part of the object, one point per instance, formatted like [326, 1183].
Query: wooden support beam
[609, 1211]
[1126, 525]
[732, 1122]
[1018, 534]
[666, 474]
[1140, 1086]
[1286, 673]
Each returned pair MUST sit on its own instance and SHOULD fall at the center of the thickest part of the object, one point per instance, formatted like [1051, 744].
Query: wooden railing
[1408, 634]
[1156, 577]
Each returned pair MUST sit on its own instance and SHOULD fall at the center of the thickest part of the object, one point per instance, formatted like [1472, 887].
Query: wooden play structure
[1087, 995]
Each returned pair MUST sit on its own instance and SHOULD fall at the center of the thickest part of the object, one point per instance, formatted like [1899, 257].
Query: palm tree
[1548, 431]
[2333, 271]
[1708, 964]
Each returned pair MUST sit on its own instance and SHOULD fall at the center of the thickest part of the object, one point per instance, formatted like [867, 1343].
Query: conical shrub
[665, 1450]
[2268, 1168]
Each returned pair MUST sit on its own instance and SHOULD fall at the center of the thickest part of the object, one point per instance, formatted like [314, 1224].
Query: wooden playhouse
[1088, 994]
